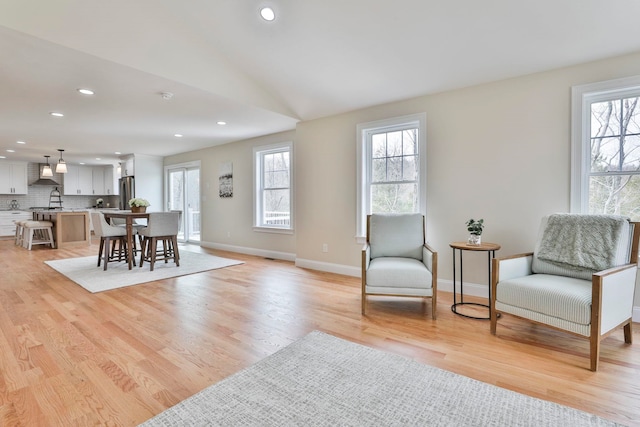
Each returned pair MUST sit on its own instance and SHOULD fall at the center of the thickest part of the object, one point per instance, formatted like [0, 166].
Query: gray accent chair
[396, 261]
[578, 300]
[109, 235]
[163, 227]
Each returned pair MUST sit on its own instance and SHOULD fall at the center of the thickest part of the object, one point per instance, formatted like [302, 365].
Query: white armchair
[567, 293]
[396, 261]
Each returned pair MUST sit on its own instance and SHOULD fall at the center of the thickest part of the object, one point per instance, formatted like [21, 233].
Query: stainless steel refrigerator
[127, 191]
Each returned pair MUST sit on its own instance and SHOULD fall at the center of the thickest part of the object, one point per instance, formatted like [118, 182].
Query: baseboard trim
[347, 270]
[285, 256]
[472, 289]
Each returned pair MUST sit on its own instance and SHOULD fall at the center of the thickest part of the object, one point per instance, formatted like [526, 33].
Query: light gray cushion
[623, 251]
[394, 272]
[161, 224]
[560, 297]
[396, 235]
[102, 228]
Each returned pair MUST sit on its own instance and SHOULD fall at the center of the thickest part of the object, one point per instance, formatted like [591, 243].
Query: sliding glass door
[183, 194]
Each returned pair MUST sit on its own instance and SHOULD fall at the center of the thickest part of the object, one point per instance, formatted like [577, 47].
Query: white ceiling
[223, 62]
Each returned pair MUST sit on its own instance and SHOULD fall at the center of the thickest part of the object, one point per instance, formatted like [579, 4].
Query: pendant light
[46, 170]
[61, 167]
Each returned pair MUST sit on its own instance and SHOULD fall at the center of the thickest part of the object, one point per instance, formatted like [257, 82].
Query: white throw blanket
[582, 241]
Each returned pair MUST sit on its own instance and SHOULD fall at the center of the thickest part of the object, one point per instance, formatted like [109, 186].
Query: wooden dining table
[129, 217]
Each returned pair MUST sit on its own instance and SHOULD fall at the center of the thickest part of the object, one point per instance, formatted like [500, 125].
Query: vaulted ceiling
[222, 62]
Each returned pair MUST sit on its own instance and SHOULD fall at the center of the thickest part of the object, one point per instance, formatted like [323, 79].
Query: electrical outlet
[325, 247]
[228, 234]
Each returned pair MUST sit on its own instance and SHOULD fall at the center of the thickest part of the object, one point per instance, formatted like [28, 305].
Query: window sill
[274, 230]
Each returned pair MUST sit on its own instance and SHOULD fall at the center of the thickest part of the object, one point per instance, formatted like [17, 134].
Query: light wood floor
[69, 357]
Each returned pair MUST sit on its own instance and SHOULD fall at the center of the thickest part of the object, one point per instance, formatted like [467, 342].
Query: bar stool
[37, 233]
[109, 236]
[161, 226]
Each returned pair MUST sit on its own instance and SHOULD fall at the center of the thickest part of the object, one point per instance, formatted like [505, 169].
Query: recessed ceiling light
[3, 157]
[117, 152]
[11, 151]
[20, 142]
[56, 114]
[221, 123]
[267, 14]
[98, 158]
[178, 135]
[85, 91]
[82, 163]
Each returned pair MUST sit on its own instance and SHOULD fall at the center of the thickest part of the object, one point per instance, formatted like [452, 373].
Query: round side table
[490, 249]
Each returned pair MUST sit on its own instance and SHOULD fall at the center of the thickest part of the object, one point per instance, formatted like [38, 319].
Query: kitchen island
[70, 227]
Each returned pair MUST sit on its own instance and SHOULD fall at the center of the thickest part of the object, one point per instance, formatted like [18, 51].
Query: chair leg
[50, 233]
[494, 321]
[594, 352]
[107, 252]
[628, 336]
[143, 249]
[100, 250]
[153, 248]
[165, 249]
[174, 247]
[30, 238]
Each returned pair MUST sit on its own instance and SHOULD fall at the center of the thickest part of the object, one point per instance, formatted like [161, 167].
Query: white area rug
[322, 380]
[84, 271]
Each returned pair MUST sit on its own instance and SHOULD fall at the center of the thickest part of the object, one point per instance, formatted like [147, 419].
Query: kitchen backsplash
[38, 195]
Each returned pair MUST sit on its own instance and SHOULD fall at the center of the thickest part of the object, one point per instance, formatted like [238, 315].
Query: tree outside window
[614, 176]
[394, 172]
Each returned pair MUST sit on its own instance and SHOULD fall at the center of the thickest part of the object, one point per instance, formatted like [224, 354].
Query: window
[606, 148]
[391, 167]
[273, 188]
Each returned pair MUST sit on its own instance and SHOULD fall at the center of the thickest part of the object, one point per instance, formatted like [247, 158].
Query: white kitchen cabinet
[98, 181]
[78, 180]
[128, 167]
[111, 181]
[7, 218]
[13, 178]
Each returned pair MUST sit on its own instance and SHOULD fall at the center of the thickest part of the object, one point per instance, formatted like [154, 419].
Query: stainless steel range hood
[43, 180]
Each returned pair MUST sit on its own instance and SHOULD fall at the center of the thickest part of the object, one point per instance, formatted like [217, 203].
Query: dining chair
[109, 235]
[161, 227]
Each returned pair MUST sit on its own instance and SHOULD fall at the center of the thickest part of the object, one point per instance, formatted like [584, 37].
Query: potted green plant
[475, 231]
[139, 205]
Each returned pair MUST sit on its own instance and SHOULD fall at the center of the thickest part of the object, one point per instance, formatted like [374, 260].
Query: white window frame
[258, 154]
[582, 97]
[363, 134]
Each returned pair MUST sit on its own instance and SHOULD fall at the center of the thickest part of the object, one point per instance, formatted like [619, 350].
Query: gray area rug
[322, 380]
[84, 271]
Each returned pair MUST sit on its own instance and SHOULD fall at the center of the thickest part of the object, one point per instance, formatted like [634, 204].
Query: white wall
[148, 173]
[499, 151]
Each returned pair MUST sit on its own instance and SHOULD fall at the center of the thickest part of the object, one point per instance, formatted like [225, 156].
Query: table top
[126, 214]
[484, 246]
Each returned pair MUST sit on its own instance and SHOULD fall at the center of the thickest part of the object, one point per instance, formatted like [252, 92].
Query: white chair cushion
[394, 272]
[396, 236]
[545, 267]
[561, 297]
